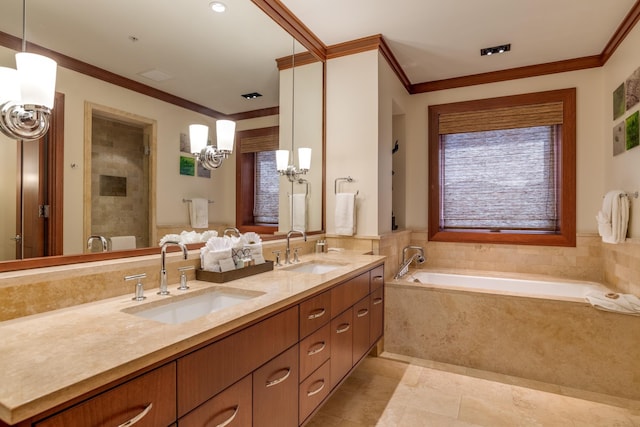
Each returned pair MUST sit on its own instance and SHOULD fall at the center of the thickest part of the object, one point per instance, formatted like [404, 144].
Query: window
[502, 170]
[257, 183]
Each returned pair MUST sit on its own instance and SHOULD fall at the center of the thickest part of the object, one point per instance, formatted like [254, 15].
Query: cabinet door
[348, 293]
[314, 389]
[275, 391]
[150, 399]
[377, 277]
[314, 351]
[377, 315]
[314, 313]
[361, 325]
[341, 346]
[230, 408]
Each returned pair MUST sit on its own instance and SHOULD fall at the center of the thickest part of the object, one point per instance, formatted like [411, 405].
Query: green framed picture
[633, 131]
[619, 102]
[187, 166]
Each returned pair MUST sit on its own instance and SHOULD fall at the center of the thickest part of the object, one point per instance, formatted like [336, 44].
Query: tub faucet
[287, 251]
[163, 271]
[418, 256]
[103, 242]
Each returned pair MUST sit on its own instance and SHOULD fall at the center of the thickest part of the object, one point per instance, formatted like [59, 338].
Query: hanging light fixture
[304, 154]
[27, 93]
[212, 157]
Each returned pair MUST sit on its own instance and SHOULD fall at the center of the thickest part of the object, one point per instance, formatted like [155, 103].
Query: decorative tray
[212, 276]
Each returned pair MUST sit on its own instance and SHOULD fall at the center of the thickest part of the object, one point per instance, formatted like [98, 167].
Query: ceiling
[214, 58]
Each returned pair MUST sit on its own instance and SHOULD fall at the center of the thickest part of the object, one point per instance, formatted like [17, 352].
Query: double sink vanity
[264, 350]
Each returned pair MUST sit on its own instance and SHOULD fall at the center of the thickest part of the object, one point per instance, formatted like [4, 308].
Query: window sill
[537, 239]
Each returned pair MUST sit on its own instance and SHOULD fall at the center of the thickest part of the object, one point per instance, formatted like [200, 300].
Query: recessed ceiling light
[495, 49]
[252, 95]
[217, 6]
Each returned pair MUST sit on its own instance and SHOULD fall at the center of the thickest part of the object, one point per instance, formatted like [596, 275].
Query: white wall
[352, 136]
[622, 171]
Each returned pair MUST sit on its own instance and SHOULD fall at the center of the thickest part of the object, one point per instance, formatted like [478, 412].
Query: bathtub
[541, 329]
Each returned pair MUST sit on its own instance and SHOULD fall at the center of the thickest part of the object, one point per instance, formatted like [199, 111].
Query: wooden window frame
[566, 236]
[245, 182]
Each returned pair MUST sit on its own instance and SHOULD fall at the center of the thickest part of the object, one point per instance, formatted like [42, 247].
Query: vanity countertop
[50, 358]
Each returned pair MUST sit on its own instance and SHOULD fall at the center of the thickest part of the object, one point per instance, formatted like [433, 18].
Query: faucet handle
[183, 277]
[277, 254]
[139, 296]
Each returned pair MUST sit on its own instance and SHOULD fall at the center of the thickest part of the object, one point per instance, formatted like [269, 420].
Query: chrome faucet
[418, 257]
[287, 251]
[235, 230]
[163, 271]
[103, 242]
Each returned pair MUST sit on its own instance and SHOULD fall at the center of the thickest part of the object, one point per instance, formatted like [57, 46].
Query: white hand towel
[298, 209]
[345, 215]
[119, 243]
[199, 213]
[613, 219]
[610, 301]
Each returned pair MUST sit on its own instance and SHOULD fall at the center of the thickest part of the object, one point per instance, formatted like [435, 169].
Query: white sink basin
[188, 307]
[314, 267]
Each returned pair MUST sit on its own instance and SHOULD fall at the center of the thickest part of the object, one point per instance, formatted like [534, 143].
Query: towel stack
[186, 237]
[216, 254]
[614, 217]
[253, 243]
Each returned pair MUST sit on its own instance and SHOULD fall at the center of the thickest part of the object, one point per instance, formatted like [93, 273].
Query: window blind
[500, 180]
[265, 209]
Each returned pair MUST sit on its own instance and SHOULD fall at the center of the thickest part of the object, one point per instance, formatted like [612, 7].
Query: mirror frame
[279, 14]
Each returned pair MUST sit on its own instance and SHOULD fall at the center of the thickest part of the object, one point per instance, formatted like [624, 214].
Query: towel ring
[335, 184]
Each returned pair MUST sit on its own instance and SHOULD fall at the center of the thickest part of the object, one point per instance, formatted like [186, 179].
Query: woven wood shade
[255, 144]
[546, 114]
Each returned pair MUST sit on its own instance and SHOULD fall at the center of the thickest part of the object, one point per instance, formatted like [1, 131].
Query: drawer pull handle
[322, 345]
[377, 278]
[138, 417]
[343, 328]
[318, 390]
[363, 312]
[377, 301]
[316, 313]
[231, 418]
[279, 380]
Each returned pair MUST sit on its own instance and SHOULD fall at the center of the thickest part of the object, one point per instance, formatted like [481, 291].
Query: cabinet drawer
[231, 408]
[377, 315]
[206, 372]
[315, 350]
[275, 386]
[314, 313]
[345, 295]
[377, 277]
[314, 389]
[361, 327]
[341, 346]
[151, 397]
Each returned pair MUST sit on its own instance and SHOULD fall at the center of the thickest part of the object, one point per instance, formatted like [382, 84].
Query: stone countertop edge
[50, 358]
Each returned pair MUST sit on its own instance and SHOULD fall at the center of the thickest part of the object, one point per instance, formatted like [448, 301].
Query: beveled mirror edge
[281, 16]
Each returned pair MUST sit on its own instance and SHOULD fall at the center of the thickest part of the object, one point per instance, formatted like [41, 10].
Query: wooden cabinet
[314, 390]
[206, 372]
[377, 315]
[275, 388]
[315, 350]
[348, 293]
[150, 399]
[231, 408]
[361, 328]
[341, 346]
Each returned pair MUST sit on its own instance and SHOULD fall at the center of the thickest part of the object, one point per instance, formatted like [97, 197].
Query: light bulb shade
[198, 137]
[225, 134]
[37, 79]
[282, 160]
[304, 158]
[9, 85]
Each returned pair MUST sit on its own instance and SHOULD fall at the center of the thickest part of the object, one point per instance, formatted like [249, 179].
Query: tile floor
[394, 391]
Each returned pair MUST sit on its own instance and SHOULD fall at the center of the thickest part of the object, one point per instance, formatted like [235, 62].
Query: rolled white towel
[615, 302]
[169, 237]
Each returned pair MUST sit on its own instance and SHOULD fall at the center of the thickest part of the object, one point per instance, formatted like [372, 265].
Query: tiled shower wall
[118, 150]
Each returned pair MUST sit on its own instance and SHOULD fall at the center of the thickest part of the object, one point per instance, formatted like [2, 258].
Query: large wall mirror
[192, 65]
